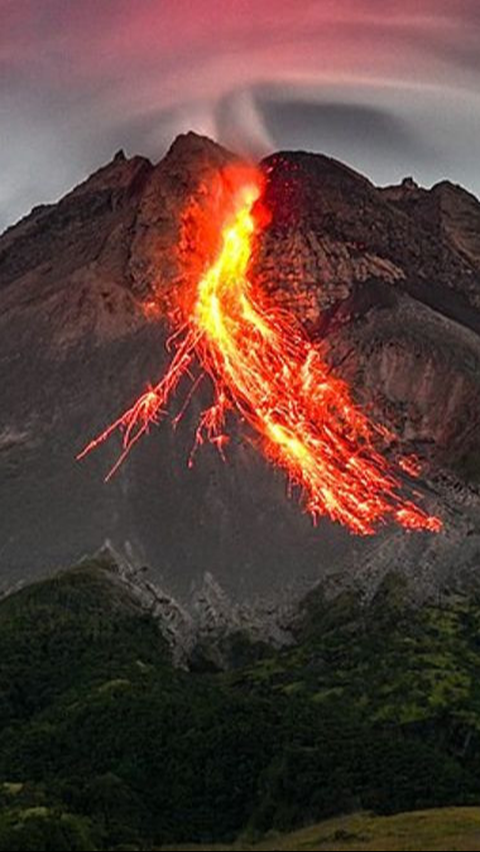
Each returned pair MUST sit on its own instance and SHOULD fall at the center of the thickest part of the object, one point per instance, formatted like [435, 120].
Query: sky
[392, 88]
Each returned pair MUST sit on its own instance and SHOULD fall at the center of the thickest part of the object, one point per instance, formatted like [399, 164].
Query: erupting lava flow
[263, 367]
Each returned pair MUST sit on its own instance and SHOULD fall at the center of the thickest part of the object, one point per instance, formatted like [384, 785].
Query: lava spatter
[262, 366]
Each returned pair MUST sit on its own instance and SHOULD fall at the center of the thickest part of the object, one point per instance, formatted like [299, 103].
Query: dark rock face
[387, 280]
[380, 274]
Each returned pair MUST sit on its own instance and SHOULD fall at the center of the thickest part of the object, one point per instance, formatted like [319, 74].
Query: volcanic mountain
[386, 282]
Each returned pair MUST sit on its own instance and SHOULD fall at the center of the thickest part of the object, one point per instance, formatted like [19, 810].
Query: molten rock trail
[264, 368]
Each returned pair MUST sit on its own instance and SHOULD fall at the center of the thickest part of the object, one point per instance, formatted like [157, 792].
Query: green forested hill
[104, 745]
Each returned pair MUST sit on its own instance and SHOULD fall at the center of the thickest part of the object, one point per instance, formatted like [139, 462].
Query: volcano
[384, 283]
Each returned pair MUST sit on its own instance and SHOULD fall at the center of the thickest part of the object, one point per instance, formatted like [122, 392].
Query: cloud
[80, 80]
[300, 122]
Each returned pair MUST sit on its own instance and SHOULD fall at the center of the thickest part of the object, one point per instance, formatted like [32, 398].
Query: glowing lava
[263, 367]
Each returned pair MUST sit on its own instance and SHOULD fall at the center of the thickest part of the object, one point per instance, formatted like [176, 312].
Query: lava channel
[263, 367]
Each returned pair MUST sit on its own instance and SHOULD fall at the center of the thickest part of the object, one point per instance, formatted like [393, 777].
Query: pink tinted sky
[389, 87]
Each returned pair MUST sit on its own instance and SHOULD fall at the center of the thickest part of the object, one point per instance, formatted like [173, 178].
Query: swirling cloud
[391, 87]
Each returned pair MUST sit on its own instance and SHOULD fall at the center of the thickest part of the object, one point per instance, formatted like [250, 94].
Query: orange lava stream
[263, 366]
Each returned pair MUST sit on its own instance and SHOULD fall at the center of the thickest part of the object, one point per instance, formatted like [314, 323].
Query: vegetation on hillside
[442, 829]
[104, 745]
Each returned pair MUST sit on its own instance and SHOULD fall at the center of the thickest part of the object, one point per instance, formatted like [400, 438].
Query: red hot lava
[263, 367]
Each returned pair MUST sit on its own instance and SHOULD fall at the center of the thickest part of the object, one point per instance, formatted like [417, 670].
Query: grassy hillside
[454, 829]
[104, 745]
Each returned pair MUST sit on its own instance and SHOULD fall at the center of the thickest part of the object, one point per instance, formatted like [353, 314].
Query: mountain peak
[118, 174]
[192, 144]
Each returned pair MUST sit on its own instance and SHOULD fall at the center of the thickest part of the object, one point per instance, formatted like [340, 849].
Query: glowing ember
[262, 365]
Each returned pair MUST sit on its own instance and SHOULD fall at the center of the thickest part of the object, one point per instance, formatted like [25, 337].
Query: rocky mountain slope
[386, 280]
